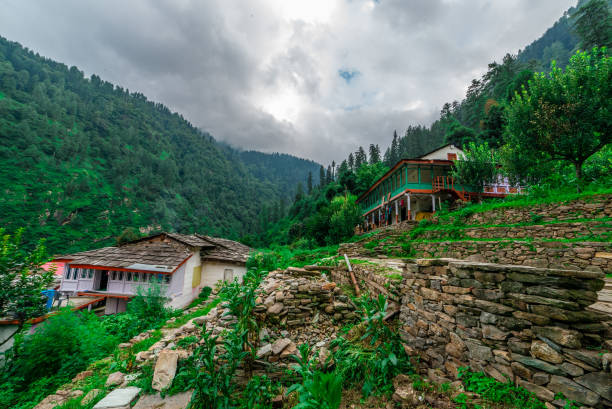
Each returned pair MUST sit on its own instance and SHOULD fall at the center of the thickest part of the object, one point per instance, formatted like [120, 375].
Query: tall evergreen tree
[321, 176]
[593, 23]
[351, 161]
[374, 154]
[360, 158]
[309, 183]
[299, 194]
[394, 153]
[330, 176]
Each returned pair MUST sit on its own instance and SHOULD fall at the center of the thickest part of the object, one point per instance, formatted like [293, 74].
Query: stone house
[182, 264]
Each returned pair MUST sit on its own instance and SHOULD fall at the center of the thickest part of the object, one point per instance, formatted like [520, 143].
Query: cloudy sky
[315, 78]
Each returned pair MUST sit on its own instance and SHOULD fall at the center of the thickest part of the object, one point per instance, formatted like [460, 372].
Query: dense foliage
[39, 362]
[564, 116]
[81, 160]
[22, 279]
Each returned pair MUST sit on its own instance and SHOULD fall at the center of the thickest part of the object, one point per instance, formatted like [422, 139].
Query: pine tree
[360, 158]
[394, 154]
[593, 23]
[351, 161]
[333, 165]
[321, 176]
[309, 183]
[299, 194]
[330, 177]
[374, 154]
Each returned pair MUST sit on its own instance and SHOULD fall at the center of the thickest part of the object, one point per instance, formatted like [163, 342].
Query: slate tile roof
[226, 250]
[162, 252]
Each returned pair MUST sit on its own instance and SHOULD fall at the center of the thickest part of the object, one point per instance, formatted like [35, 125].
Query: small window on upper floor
[167, 278]
[451, 156]
[90, 273]
[75, 273]
[83, 273]
[67, 274]
[228, 275]
[128, 276]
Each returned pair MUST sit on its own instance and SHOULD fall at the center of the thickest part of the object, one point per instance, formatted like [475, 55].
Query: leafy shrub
[149, 305]
[63, 344]
[258, 393]
[373, 353]
[495, 391]
[205, 293]
[321, 391]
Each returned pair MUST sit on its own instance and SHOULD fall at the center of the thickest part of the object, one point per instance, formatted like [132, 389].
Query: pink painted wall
[59, 267]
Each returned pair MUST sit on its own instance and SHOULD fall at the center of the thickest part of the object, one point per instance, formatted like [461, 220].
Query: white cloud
[264, 74]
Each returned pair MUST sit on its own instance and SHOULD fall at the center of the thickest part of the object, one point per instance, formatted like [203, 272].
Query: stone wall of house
[595, 256]
[530, 325]
[571, 230]
[592, 207]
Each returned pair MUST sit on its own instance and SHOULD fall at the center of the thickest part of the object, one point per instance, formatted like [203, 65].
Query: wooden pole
[353, 279]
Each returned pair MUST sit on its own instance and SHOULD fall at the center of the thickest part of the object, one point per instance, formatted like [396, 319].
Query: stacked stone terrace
[530, 325]
[498, 236]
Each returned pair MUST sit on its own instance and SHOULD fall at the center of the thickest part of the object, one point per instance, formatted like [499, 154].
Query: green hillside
[82, 159]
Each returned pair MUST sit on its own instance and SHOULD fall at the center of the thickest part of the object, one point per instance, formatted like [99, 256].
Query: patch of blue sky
[348, 75]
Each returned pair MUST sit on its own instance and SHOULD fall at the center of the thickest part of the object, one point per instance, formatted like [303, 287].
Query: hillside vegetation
[81, 160]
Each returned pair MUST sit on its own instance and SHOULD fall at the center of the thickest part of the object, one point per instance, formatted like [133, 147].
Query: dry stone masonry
[530, 325]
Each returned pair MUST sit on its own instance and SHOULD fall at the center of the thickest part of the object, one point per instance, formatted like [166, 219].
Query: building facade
[415, 188]
[181, 264]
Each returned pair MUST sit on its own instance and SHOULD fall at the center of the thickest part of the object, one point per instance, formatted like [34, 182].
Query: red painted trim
[182, 262]
[399, 164]
[118, 268]
[86, 294]
[44, 317]
[430, 191]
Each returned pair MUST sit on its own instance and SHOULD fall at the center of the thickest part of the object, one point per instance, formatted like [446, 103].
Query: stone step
[605, 307]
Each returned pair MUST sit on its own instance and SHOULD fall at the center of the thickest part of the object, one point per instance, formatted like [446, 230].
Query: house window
[67, 274]
[426, 175]
[90, 273]
[75, 274]
[413, 175]
[451, 156]
[136, 277]
[120, 275]
[128, 276]
[83, 273]
[167, 278]
[228, 274]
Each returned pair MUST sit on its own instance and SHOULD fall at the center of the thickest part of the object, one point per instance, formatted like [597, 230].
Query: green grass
[182, 320]
[147, 342]
[556, 196]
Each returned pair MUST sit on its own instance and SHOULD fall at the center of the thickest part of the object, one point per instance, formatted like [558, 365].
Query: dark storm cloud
[267, 74]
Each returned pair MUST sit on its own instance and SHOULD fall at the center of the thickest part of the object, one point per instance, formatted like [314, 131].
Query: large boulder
[165, 369]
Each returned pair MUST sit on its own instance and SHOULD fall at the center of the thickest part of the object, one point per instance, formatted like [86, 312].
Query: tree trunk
[578, 166]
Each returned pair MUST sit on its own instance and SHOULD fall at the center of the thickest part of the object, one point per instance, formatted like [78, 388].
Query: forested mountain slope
[81, 160]
[282, 170]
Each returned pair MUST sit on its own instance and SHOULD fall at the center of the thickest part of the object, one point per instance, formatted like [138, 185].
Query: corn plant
[320, 391]
[258, 393]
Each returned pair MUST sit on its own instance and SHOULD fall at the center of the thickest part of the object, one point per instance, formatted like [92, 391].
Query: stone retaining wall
[593, 207]
[530, 325]
[540, 231]
[574, 255]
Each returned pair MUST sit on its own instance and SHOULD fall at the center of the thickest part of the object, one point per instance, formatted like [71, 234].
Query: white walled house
[183, 264]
